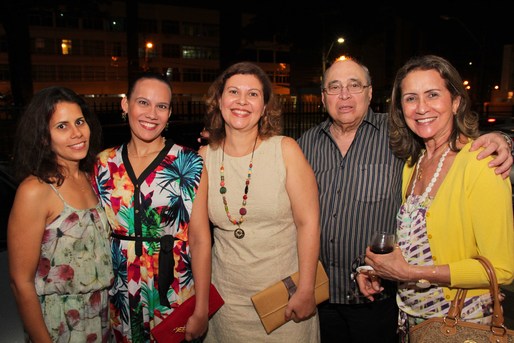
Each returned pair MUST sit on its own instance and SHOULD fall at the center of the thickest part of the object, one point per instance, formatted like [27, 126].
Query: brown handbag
[271, 302]
[452, 329]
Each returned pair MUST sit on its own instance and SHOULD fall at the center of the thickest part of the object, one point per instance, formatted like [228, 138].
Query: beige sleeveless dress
[266, 254]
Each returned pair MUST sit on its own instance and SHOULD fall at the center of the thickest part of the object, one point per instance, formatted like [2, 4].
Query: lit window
[66, 46]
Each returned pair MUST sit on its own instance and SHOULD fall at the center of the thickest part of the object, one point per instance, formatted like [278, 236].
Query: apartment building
[86, 48]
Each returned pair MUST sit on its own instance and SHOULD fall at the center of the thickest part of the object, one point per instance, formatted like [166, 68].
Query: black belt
[166, 261]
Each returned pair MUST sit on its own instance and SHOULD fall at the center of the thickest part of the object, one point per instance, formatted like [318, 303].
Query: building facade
[86, 49]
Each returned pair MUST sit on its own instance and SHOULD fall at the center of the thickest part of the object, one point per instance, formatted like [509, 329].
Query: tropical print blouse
[149, 216]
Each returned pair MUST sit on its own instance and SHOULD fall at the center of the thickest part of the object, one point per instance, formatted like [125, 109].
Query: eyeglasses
[353, 87]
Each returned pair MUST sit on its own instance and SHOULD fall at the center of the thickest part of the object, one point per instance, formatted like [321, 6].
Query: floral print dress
[149, 216]
[74, 274]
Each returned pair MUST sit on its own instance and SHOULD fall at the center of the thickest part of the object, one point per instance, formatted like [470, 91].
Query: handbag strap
[498, 319]
[498, 328]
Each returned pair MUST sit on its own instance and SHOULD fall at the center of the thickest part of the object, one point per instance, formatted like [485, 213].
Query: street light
[148, 48]
[324, 57]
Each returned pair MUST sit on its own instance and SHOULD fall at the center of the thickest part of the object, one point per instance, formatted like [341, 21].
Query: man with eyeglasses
[359, 182]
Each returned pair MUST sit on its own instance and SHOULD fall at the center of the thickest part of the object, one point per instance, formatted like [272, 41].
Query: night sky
[456, 30]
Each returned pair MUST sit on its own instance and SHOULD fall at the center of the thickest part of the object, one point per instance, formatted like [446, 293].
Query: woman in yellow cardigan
[454, 206]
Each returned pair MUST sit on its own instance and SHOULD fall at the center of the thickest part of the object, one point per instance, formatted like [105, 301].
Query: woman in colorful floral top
[155, 203]
[58, 236]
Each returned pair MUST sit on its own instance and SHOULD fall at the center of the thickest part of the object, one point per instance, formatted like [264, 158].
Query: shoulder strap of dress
[57, 192]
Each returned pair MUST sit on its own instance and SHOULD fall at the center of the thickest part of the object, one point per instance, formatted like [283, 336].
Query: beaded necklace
[238, 233]
[434, 177]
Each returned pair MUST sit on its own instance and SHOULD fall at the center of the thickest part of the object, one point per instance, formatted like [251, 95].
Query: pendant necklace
[238, 233]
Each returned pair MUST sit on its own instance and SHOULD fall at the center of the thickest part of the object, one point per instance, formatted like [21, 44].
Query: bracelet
[423, 283]
[507, 139]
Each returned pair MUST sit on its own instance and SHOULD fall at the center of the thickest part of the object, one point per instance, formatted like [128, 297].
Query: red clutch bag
[173, 328]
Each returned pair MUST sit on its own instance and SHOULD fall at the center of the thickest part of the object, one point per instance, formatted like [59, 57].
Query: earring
[124, 116]
[167, 125]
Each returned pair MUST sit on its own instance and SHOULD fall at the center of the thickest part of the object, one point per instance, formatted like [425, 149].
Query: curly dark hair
[403, 142]
[32, 152]
[270, 123]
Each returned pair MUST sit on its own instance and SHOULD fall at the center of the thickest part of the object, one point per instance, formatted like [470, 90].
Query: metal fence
[185, 124]
[187, 120]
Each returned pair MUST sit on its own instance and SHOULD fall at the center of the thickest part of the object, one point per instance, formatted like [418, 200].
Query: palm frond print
[181, 178]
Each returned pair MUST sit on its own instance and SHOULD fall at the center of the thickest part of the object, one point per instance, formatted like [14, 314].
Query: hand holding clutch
[271, 302]
[173, 328]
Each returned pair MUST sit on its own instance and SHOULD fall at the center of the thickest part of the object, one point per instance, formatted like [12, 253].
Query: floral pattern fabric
[156, 203]
[74, 274]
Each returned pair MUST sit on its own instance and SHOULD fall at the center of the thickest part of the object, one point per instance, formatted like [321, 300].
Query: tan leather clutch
[271, 302]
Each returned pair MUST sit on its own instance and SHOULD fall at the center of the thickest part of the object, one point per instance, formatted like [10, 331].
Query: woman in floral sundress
[58, 237]
[161, 243]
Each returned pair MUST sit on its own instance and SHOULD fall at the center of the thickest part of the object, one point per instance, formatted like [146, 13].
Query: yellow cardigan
[471, 215]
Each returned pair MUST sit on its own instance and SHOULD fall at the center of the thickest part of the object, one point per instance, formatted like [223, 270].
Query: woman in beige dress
[263, 203]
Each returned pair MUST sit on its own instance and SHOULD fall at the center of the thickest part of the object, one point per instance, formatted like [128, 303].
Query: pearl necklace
[434, 177]
[238, 233]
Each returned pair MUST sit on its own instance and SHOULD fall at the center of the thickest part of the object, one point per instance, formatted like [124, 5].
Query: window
[66, 20]
[173, 74]
[43, 73]
[69, 73]
[92, 23]
[192, 29]
[171, 50]
[42, 46]
[116, 49]
[66, 46]
[211, 31]
[41, 18]
[196, 52]
[192, 75]
[94, 73]
[147, 26]
[170, 27]
[200, 30]
[93, 48]
[210, 75]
